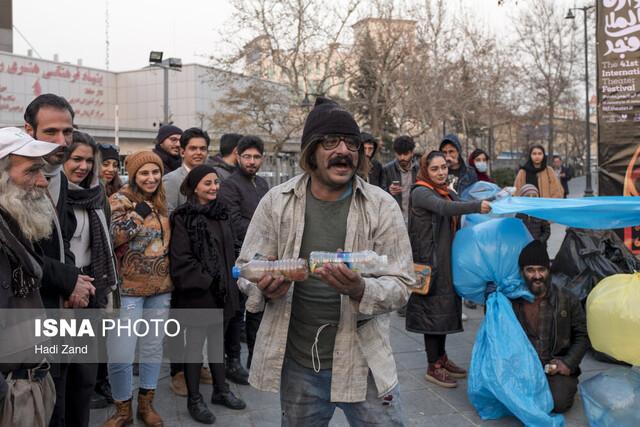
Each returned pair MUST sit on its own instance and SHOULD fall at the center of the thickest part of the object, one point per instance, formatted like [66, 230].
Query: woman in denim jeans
[140, 233]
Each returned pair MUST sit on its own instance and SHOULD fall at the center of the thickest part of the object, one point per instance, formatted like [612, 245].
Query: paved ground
[424, 404]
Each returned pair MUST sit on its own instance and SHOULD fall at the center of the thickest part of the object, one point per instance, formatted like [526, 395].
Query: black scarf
[101, 268]
[170, 161]
[532, 171]
[26, 262]
[204, 244]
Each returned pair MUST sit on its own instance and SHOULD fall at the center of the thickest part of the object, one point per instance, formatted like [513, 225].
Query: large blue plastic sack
[506, 376]
[612, 398]
[604, 212]
[480, 190]
[488, 252]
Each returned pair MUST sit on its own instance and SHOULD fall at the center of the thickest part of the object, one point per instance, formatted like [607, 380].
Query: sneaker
[178, 385]
[402, 311]
[454, 370]
[205, 375]
[464, 317]
[438, 375]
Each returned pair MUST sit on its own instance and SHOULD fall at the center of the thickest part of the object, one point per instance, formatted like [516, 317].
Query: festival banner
[618, 89]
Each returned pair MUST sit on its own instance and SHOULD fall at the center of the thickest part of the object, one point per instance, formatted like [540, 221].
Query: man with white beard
[27, 393]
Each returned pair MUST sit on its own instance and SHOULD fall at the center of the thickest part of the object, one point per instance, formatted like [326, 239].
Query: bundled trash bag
[613, 317]
[588, 256]
[482, 190]
[488, 252]
[612, 398]
[506, 376]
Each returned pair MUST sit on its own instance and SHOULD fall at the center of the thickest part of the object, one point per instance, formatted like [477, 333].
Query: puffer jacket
[142, 248]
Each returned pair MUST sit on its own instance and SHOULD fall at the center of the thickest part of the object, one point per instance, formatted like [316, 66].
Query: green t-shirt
[314, 302]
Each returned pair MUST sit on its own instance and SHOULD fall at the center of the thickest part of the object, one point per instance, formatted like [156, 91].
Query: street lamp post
[588, 191]
[175, 64]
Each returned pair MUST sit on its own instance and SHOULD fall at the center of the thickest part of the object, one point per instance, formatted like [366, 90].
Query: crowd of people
[74, 236]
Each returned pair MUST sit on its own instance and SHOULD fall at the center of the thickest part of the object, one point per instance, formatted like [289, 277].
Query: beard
[31, 210]
[538, 287]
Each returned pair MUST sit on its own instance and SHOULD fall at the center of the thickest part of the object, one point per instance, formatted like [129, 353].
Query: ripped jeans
[305, 399]
[122, 348]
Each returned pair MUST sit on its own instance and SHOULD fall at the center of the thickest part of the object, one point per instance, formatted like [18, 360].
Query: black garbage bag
[588, 256]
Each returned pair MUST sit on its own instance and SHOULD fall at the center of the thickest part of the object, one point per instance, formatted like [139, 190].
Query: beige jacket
[374, 222]
[548, 184]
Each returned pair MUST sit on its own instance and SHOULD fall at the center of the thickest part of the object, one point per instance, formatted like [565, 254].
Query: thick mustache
[339, 159]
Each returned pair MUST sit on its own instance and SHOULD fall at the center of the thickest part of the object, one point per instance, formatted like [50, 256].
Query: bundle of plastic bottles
[506, 376]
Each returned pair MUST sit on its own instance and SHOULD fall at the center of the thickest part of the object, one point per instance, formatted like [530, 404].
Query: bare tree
[547, 45]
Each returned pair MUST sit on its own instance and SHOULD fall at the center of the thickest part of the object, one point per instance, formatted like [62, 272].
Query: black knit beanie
[534, 254]
[165, 132]
[108, 152]
[196, 174]
[327, 118]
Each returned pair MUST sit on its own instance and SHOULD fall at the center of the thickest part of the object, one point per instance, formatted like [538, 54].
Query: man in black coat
[554, 323]
[241, 192]
[562, 173]
[400, 174]
[50, 118]
[168, 147]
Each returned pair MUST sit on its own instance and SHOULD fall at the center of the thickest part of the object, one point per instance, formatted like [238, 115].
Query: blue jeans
[305, 399]
[123, 347]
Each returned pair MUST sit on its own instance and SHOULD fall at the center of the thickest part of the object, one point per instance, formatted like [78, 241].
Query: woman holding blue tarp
[433, 221]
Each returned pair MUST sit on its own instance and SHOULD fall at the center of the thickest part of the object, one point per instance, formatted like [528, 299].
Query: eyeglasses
[109, 146]
[249, 157]
[329, 142]
[174, 139]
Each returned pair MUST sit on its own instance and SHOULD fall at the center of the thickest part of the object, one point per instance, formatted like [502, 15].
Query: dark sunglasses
[109, 146]
[329, 142]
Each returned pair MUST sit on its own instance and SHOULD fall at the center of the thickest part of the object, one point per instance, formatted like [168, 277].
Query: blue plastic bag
[506, 376]
[604, 212]
[612, 398]
[488, 252]
[481, 190]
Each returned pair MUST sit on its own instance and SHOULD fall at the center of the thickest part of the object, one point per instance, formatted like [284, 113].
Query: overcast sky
[188, 29]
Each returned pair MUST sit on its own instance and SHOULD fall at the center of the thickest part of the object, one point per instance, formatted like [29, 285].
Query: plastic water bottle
[291, 269]
[362, 262]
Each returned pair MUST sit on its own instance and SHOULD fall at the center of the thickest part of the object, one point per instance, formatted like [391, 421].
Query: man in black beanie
[168, 147]
[554, 323]
[324, 342]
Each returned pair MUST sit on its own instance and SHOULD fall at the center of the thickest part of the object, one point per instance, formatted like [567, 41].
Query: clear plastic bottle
[292, 269]
[363, 262]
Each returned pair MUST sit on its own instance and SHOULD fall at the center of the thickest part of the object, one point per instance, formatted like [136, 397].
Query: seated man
[554, 323]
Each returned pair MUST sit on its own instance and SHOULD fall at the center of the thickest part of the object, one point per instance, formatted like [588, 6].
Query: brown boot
[146, 412]
[438, 375]
[454, 370]
[123, 415]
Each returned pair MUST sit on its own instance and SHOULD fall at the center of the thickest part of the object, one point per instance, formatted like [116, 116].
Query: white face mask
[481, 166]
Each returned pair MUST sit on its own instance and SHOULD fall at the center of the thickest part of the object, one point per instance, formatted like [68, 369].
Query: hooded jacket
[375, 173]
[468, 175]
[224, 169]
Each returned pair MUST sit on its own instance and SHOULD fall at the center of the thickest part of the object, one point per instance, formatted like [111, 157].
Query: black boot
[198, 409]
[223, 396]
[235, 372]
[98, 401]
[104, 388]
[470, 304]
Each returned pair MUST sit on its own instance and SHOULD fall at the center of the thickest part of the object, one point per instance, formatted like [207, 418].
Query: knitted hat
[328, 117]
[135, 161]
[534, 254]
[165, 132]
[109, 152]
[196, 174]
[528, 189]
